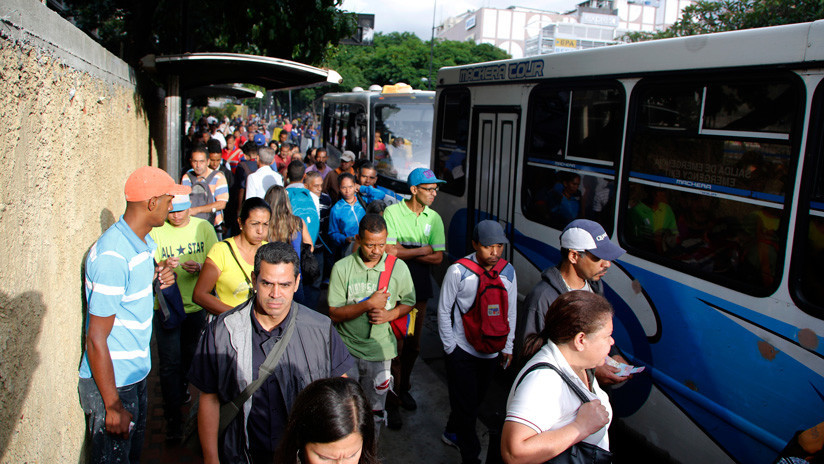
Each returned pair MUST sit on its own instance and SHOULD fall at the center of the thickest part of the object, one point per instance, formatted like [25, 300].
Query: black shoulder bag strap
[360, 199]
[229, 411]
[248, 280]
[545, 365]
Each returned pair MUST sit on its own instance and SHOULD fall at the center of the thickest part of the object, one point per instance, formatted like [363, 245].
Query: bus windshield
[403, 138]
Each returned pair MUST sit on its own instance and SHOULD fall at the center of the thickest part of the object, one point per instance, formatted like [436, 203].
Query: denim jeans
[175, 349]
[106, 448]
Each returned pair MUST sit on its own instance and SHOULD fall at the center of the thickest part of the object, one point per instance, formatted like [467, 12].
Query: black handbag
[579, 453]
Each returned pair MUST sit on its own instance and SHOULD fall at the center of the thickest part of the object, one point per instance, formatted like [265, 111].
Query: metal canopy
[203, 69]
[221, 90]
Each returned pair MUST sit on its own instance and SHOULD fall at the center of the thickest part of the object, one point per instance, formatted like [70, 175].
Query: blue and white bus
[391, 126]
[703, 157]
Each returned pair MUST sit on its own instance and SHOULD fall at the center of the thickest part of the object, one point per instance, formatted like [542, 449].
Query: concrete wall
[73, 128]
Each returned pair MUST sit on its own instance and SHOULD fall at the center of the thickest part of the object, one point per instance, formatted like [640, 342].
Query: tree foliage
[403, 57]
[707, 16]
[297, 30]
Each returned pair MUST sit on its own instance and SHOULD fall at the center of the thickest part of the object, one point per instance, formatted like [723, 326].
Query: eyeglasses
[588, 255]
[428, 189]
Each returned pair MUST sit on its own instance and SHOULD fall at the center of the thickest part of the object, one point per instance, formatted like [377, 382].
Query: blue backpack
[303, 206]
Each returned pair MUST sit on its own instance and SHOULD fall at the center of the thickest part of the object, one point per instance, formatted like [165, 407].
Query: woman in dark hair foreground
[330, 422]
[544, 415]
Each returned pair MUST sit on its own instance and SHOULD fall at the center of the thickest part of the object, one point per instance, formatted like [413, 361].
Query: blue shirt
[119, 274]
[371, 194]
[344, 220]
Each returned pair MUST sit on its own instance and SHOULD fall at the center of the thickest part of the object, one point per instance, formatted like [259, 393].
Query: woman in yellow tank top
[229, 264]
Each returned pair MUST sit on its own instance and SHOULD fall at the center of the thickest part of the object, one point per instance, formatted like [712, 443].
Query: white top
[460, 284]
[258, 182]
[220, 138]
[543, 401]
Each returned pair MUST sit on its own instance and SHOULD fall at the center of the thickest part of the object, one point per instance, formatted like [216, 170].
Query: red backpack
[486, 323]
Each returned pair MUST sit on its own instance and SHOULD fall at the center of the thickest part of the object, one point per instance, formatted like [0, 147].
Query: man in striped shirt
[209, 205]
[119, 276]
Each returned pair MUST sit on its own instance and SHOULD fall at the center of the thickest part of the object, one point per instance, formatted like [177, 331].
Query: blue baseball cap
[586, 235]
[260, 140]
[423, 176]
[488, 233]
[180, 202]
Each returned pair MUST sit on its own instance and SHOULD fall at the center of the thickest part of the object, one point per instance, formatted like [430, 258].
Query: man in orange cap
[119, 278]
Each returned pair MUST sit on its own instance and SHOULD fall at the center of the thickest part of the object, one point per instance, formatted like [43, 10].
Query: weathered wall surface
[72, 129]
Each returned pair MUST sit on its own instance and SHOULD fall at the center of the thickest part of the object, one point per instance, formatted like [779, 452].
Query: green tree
[403, 57]
[707, 16]
[297, 30]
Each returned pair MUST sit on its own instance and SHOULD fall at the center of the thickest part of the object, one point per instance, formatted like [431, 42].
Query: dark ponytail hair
[324, 412]
[249, 205]
[571, 313]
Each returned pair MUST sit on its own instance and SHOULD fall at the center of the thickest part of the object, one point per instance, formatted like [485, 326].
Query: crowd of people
[226, 269]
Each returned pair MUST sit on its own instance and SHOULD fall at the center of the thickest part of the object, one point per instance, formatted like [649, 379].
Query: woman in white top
[544, 417]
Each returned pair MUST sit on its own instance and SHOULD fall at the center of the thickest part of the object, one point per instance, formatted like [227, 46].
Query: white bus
[701, 156]
[390, 126]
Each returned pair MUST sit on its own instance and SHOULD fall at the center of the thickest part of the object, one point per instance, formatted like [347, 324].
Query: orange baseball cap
[148, 182]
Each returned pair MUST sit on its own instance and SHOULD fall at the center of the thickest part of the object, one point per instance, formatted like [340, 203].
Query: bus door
[493, 172]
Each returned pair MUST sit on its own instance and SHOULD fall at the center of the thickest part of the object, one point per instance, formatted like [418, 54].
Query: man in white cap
[183, 241]
[586, 255]
[119, 278]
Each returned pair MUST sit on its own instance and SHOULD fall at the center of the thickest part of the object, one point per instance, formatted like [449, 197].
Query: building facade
[593, 23]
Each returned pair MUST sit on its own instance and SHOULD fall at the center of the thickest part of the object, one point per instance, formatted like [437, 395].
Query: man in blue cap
[415, 235]
[586, 256]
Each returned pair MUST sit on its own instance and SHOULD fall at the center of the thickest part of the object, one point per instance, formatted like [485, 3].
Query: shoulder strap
[211, 176]
[192, 177]
[389, 266]
[471, 265]
[500, 265]
[360, 199]
[229, 411]
[232, 251]
[545, 365]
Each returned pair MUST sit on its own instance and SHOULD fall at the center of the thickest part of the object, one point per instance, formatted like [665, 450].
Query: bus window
[356, 131]
[808, 248]
[328, 122]
[453, 137]
[573, 140]
[407, 127]
[709, 197]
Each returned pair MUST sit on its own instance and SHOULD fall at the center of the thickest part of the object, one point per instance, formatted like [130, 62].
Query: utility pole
[432, 43]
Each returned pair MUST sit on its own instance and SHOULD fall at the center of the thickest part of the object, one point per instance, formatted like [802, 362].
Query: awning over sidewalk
[207, 72]
[202, 69]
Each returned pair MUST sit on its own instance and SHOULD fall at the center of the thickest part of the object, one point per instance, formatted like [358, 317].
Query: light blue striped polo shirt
[119, 274]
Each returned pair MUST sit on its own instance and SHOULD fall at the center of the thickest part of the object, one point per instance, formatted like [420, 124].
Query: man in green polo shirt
[361, 311]
[416, 235]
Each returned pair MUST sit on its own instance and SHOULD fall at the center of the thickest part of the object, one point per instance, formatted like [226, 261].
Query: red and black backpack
[486, 322]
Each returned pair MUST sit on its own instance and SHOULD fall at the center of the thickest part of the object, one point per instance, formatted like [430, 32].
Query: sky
[416, 15]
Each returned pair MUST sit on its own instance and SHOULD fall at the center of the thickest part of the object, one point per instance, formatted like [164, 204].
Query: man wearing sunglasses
[586, 255]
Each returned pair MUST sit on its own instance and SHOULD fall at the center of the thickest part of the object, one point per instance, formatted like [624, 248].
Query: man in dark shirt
[236, 343]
